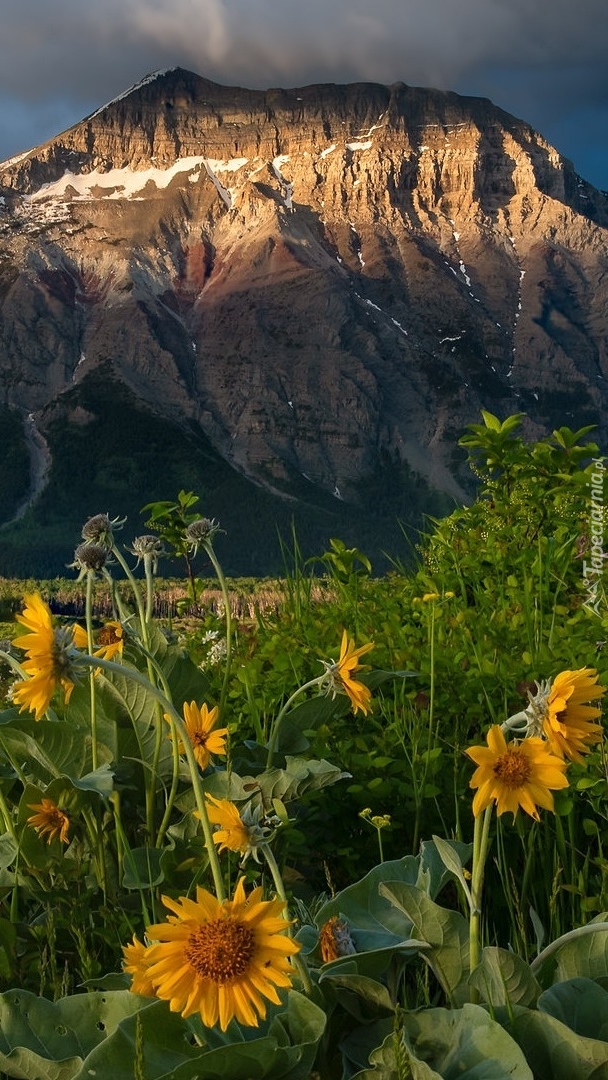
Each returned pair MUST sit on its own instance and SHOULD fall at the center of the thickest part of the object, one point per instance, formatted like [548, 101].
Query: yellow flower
[569, 722]
[49, 663]
[339, 677]
[515, 774]
[136, 963]
[232, 834]
[199, 725]
[49, 821]
[245, 830]
[221, 959]
[109, 640]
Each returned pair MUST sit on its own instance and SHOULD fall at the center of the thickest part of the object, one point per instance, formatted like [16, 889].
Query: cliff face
[322, 278]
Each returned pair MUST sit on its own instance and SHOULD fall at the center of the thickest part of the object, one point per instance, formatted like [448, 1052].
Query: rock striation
[322, 279]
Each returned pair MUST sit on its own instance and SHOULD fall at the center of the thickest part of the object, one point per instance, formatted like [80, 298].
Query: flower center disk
[220, 950]
[512, 769]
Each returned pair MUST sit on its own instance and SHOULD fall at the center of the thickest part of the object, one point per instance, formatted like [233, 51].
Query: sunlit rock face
[323, 278]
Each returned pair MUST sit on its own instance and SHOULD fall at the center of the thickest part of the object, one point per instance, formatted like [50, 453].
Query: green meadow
[329, 825]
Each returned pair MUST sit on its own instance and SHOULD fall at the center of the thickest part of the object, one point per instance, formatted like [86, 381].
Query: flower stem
[90, 645]
[296, 960]
[274, 734]
[144, 616]
[148, 560]
[195, 776]
[173, 792]
[136, 594]
[228, 616]
[480, 851]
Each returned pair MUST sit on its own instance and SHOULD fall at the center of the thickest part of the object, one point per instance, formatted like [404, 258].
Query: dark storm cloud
[54, 46]
[549, 53]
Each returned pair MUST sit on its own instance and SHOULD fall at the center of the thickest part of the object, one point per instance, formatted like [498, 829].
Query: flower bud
[148, 547]
[201, 531]
[90, 556]
[99, 529]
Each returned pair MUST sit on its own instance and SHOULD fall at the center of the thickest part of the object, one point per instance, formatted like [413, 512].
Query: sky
[542, 60]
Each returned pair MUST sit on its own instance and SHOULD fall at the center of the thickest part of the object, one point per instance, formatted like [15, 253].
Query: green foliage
[513, 1028]
[497, 603]
[97, 1034]
[170, 521]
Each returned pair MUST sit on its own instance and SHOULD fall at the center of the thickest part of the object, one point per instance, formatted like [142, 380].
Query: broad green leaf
[142, 868]
[446, 932]
[306, 717]
[8, 850]
[503, 978]
[370, 963]
[46, 1040]
[367, 990]
[432, 875]
[464, 1044]
[581, 952]
[359, 995]
[78, 712]
[450, 857]
[370, 915]
[321, 709]
[379, 676]
[143, 710]
[95, 1035]
[186, 681]
[367, 911]
[492, 422]
[554, 1052]
[100, 781]
[299, 776]
[49, 749]
[581, 1004]
[282, 1048]
[393, 1059]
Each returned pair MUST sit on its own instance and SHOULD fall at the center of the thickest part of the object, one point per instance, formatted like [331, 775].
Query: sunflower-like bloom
[136, 963]
[515, 774]
[108, 640]
[50, 658]
[244, 830]
[221, 959]
[49, 821]
[339, 676]
[200, 723]
[569, 721]
[231, 833]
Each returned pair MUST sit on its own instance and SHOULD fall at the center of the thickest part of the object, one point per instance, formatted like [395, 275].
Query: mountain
[310, 291]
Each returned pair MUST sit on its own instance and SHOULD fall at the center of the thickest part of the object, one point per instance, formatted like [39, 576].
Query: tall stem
[228, 617]
[144, 616]
[148, 561]
[136, 595]
[195, 776]
[480, 851]
[173, 792]
[274, 734]
[91, 645]
[296, 960]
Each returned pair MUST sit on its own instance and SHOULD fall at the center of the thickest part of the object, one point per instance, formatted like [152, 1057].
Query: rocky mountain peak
[321, 279]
